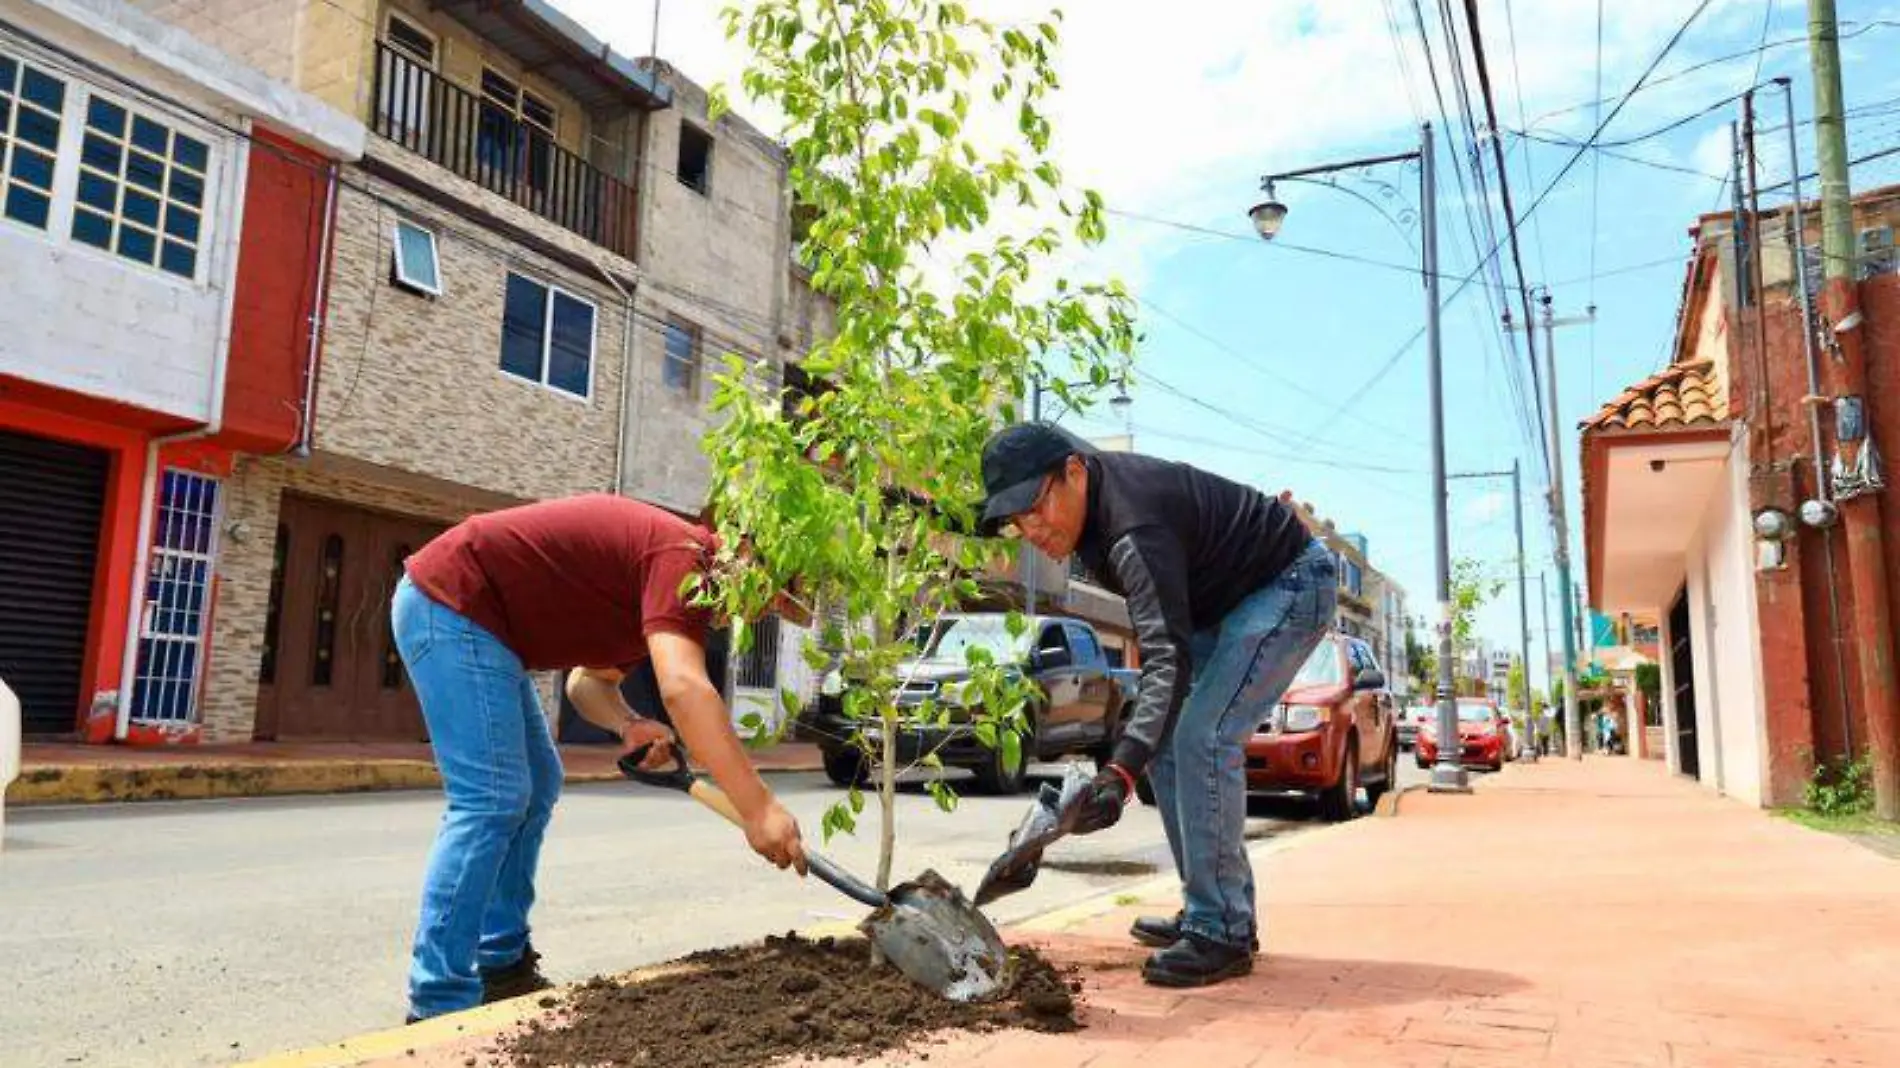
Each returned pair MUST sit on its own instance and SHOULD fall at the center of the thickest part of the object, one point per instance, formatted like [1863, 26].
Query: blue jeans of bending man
[1242, 666]
[502, 776]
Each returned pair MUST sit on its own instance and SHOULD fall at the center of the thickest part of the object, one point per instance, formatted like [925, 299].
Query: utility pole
[1523, 599]
[1448, 775]
[1560, 525]
[1543, 601]
[1856, 474]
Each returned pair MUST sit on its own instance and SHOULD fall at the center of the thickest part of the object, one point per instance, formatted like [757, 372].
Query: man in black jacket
[1228, 593]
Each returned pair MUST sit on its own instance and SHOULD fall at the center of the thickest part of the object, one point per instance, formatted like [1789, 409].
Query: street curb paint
[73, 784]
[393, 1042]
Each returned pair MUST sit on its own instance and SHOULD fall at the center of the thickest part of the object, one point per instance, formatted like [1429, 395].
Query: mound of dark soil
[734, 1008]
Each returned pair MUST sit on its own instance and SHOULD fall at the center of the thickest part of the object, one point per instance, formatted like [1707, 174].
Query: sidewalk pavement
[1585, 915]
[72, 773]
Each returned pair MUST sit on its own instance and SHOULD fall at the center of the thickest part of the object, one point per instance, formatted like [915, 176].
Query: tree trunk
[887, 799]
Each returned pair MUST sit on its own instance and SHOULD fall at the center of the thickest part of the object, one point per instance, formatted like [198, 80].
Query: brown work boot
[519, 979]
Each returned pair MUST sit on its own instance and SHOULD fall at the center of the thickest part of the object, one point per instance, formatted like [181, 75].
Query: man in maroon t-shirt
[592, 583]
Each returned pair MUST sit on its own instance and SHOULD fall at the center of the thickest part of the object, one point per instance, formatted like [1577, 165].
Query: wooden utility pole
[1856, 476]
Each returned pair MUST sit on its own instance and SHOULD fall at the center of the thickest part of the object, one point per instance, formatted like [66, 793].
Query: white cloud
[1487, 508]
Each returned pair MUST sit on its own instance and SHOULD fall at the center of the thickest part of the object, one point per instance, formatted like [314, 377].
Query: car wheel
[1340, 801]
[1391, 782]
[996, 775]
[845, 767]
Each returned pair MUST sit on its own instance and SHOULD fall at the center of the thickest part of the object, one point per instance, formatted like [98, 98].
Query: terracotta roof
[1681, 395]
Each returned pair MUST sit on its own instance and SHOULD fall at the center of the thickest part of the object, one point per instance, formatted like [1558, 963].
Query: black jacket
[1184, 548]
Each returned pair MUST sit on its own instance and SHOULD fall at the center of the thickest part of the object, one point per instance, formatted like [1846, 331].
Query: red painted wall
[284, 207]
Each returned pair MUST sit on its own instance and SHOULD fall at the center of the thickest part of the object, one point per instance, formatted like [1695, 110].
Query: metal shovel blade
[1047, 820]
[933, 934]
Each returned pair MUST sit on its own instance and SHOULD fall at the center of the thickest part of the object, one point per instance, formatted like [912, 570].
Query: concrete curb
[72, 784]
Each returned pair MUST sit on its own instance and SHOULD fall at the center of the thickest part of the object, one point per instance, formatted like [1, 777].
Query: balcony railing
[481, 141]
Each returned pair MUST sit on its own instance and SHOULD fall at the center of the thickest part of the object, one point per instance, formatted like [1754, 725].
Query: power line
[1600, 99]
[1596, 168]
[1245, 360]
[1504, 192]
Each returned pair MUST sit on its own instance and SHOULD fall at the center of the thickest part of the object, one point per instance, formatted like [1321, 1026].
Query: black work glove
[1099, 805]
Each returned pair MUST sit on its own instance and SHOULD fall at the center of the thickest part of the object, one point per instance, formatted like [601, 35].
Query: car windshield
[955, 636]
[1475, 713]
[1321, 668]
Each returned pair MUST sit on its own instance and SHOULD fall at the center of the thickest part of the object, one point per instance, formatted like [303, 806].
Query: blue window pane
[6, 114]
[190, 152]
[101, 154]
[179, 260]
[47, 92]
[150, 136]
[28, 206]
[181, 223]
[415, 254]
[136, 244]
[92, 229]
[678, 369]
[524, 316]
[106, 117]
[37, 129]
[97, 192]
[570, 356]
[143, 170]
[187, 189]
[32, 167]
[8, 71]
[141, 209]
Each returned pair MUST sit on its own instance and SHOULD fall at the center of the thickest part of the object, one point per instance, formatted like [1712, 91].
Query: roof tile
[1680, 395]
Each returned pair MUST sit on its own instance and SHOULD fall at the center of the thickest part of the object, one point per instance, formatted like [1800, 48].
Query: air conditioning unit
[1874, 251]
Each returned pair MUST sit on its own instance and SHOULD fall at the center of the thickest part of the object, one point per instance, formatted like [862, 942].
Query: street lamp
[1120, 402]
[1448, 775]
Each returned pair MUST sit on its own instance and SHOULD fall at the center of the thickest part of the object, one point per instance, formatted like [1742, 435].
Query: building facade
[519, 275]
[1693, 479]
[162, 212]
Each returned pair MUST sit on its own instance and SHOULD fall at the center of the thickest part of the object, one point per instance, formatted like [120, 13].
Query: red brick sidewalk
[1581, 915]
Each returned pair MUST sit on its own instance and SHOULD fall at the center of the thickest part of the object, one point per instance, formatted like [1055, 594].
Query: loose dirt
[756, 1005]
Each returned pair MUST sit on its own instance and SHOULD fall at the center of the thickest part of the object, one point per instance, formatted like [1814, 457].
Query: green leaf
[1012, 747]
[789, 700]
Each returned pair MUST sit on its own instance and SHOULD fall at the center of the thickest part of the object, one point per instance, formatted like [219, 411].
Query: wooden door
[330, 670]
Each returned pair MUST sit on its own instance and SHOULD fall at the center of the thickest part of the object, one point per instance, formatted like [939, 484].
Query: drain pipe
[626, 379]
[234, 186]
[306, 429]
[1813, 402]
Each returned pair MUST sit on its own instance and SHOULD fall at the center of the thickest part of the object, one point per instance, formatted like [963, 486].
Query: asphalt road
[191, 933]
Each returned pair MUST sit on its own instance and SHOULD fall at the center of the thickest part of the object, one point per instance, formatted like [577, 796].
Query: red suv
[1483, 736]
[1335, 731]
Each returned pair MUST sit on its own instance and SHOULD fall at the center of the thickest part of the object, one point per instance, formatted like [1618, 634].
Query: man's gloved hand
[1099, 805]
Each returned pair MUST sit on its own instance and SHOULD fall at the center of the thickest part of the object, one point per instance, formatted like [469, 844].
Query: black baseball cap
[1014, 461]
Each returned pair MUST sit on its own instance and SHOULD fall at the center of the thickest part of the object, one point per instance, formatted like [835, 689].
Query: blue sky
[1175, 115]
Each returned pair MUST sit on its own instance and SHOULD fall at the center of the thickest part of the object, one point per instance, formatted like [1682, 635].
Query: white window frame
[8, 148]
[547, 338]
[67, 170]
[168, 558]
[433, 289]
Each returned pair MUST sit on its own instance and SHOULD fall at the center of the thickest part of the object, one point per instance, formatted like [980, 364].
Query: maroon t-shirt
[575, 582]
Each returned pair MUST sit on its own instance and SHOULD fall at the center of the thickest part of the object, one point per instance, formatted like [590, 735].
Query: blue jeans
[502, 775]
[1241, 668]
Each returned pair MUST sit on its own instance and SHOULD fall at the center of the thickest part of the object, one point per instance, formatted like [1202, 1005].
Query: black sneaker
[1197, 961]
[1161, 932]
[519, 979]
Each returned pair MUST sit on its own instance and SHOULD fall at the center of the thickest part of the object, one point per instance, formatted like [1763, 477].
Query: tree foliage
[861, 490]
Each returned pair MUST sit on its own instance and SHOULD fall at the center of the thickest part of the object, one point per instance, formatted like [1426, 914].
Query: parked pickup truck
[1080, 710]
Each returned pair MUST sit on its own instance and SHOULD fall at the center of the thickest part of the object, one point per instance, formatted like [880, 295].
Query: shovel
[1052, 817]
[926, 928]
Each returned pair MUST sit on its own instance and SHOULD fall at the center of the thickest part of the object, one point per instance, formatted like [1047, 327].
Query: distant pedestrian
[592, 583]
[1228, 593]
